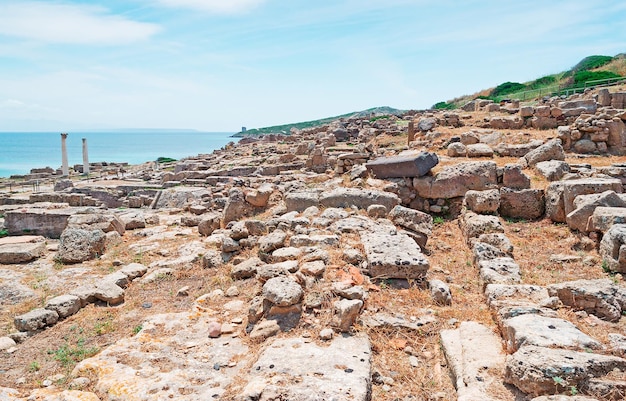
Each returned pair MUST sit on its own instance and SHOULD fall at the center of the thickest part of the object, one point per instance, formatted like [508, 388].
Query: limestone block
[601, 297]
[526, 204]
[532, 369]
[533, 329]
[393, 255]
[403, 166]
[36, 319]
[474, 354]
[64, 305]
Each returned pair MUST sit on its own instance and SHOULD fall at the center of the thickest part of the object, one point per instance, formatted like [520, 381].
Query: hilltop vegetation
[587, 72]
[285, 128]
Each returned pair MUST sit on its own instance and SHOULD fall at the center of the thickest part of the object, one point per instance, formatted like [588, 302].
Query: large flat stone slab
[476, 359]
[172, 357]
[297, 369]
[602, 297]
[534, 329]
[415, 165]
[361, 198]
[537, 370]
[21, 249]
[393, 255]
[49, 223]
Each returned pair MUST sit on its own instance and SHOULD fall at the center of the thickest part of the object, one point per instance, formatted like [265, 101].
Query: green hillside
[590, 71]
[286, 128]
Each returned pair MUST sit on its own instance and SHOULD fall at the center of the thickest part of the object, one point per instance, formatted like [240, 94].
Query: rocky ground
[333, 264]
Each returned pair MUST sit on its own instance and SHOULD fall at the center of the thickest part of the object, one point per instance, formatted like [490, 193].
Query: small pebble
[146, 305]
[237, 320]
[326, 334]
[46, 383]
[214, 329]
[386, 388]
[453, 321]
[414, 361]
[183, 292]
[232, 291]
[227, 328]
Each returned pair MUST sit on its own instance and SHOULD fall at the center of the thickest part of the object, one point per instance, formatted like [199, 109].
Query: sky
[218, 65]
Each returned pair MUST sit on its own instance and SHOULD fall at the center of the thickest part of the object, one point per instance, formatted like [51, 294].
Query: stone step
[299, 369]
[476, 359]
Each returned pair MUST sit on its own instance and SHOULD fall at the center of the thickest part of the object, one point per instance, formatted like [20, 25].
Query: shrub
[591, 62]
[585, 76]
[543, 81]
[443, 106]
[507, 87]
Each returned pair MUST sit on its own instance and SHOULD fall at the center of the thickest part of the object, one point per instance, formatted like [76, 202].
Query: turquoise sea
[19, 152]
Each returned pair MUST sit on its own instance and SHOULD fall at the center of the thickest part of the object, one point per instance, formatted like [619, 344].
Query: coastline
[25, 151]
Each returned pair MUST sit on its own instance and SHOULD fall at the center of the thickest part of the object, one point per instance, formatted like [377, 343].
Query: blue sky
[219, 65]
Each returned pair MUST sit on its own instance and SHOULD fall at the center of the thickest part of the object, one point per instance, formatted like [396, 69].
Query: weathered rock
[479, 150]
[265, 329]
[560, 195]
[552, 170]
[49, 223]
[339, 371]
[454, 181]
[397, 322]
[526, 204]
[602, 297]
[288, 253]
[361, 198]
[315, 268]
[345, 313]
[246, 269]
[282, 291]
[483, 252]
[551, 150]
[513, 177]
[132, 220]
[35, 320]
[179, 197]
[533, 369]
[302, 240]
[377, 211]
[212, 259]
[585, 206]
[109, 293]
[96, 221]
[585, 146]
[64, 305]
[272, 241]
[209, 223]
[194, 366]
[260, 196]
[79, 245]
[499, 295]
[5, 344]
[604, 217]
[440, 292]
[475, 357]
[413, 220]
[499, 240]
[487, 201]
[501, 270]
[393, 255]
[613, 248]
[532, 329]
[266, 272]
[457, 149]
[21, 249]
[474, 225]
[236, 206]
[403, 165]
[300, 201]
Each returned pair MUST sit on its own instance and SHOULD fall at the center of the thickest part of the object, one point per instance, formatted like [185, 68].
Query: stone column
[85, 158]
[65, 168]
[411, 135]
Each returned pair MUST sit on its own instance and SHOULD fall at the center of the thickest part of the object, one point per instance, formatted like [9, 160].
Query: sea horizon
[22, 151]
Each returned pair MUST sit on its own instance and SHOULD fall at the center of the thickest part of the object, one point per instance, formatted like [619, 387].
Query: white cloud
[214, 6]
[68, 23]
